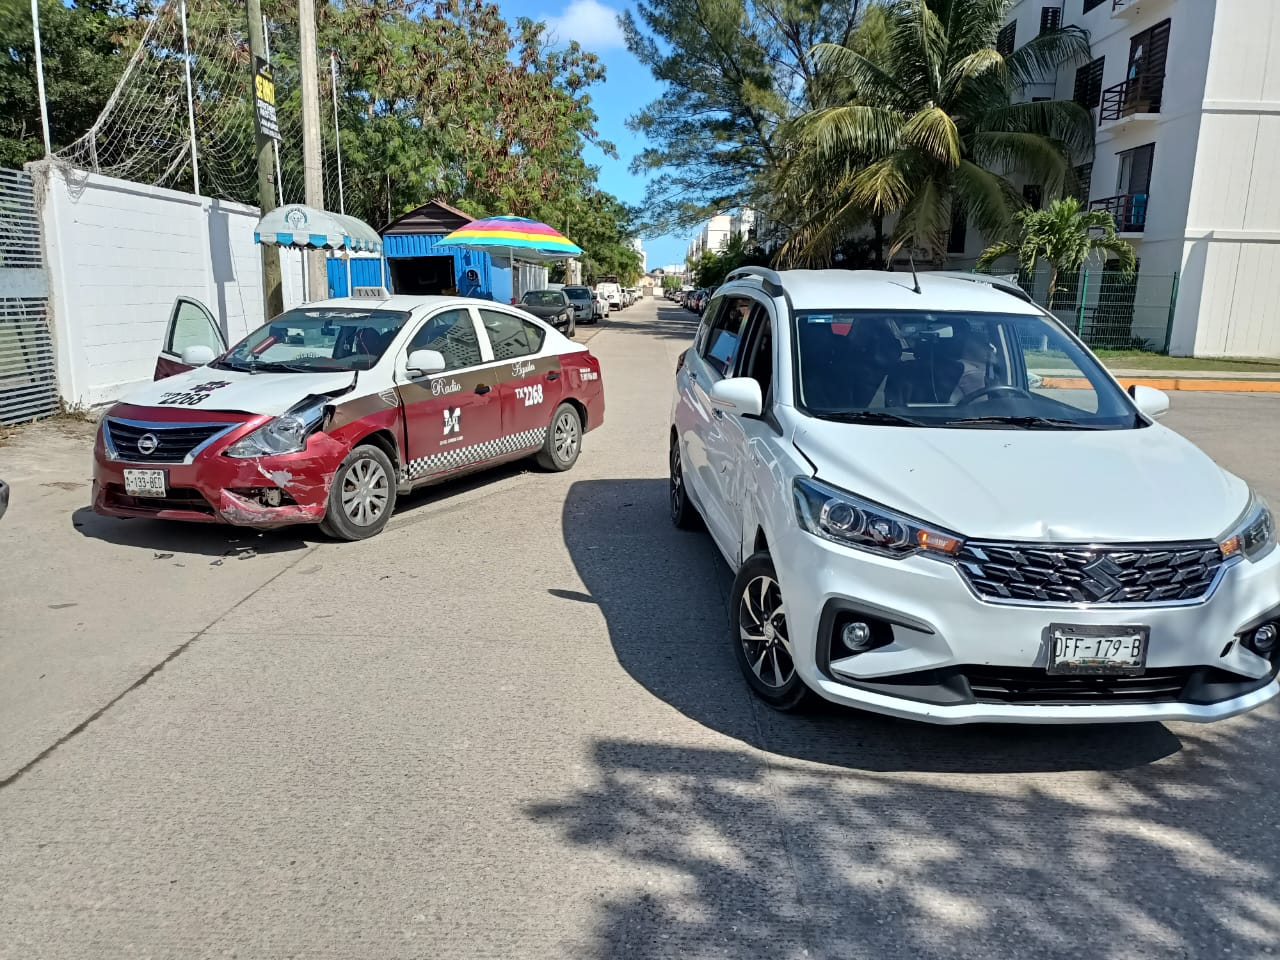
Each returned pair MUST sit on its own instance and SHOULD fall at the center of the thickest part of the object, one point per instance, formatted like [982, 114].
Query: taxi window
[510, 336]
[453, 335]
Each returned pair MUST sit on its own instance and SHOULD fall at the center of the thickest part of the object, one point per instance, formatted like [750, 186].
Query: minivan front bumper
[955, 658]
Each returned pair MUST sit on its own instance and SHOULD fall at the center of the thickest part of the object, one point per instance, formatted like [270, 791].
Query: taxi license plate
[144, 483]
[1097, 651]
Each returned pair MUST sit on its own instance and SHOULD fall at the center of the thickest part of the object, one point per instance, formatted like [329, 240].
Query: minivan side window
[708, 321]
[724, 335]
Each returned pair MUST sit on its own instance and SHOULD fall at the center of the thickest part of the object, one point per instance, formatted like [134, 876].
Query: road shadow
[734, 854]
[199, 539]
[662, 592]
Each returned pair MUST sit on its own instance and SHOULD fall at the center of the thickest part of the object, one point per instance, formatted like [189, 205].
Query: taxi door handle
[553, 375]
[483, 389]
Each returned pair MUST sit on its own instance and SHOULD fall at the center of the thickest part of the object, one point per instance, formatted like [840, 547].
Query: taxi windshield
[316, 340]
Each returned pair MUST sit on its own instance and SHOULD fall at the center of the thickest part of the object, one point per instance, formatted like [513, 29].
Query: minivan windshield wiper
[1027, 423]
[879, 417]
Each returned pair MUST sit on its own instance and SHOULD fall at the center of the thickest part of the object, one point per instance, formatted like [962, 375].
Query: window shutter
[1050, 18]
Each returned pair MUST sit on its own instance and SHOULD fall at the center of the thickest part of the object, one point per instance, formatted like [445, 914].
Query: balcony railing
[1129, 211]
[1141, 94]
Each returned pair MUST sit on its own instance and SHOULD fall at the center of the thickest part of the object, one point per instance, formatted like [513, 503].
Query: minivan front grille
[158, 443]
[1151, 574]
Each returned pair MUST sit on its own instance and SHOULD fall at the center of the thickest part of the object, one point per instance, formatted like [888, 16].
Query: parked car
[612, 293]
[583, 300]
[919, 528]
[4, 498]
[328, 412]
[600, 306]
[553, 307]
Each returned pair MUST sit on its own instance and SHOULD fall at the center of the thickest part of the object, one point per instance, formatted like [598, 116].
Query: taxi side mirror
[424, 362]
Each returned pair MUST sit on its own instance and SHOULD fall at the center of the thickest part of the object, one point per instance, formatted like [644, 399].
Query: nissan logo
[147, 444]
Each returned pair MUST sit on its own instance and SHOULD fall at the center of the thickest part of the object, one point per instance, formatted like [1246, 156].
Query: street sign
[264, 99]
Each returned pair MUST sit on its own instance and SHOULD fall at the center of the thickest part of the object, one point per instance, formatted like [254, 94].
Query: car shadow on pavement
[200, 539]
[662, 592]
[738, 854]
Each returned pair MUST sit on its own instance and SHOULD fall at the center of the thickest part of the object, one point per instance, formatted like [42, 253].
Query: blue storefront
[416, 262]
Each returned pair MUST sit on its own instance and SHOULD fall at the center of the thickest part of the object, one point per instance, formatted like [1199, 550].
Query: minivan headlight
[1253, 534]
[285, 434]
[846, 519]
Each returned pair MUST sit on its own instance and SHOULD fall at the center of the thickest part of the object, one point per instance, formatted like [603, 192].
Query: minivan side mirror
[739, 394]
[1154, 403]
[423, 362]
[197, 355]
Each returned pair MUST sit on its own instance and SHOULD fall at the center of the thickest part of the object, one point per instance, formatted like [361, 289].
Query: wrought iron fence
[1106, 309]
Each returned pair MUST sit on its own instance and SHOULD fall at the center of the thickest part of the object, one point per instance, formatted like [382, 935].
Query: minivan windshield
[316, 340]
[952, 369]
[577, 293]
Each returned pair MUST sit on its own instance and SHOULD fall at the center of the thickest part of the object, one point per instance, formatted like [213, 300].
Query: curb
[1174, 383]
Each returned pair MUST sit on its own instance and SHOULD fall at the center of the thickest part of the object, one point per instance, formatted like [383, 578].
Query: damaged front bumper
[262, 492]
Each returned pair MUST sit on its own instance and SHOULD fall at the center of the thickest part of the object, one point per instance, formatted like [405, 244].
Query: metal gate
[28, 377]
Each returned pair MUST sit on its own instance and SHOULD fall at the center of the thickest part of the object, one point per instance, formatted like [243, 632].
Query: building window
[1088, 92]
[1006, 38]
[1033, 193]
[1090, 4]
[1050, 18]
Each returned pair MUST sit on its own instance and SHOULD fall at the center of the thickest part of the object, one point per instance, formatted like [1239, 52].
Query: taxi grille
[172, 442]
[1164, 573]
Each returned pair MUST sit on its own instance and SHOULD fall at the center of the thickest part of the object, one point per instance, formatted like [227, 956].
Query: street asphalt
[511, 726]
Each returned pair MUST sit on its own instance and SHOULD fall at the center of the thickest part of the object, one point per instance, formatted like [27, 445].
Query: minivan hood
[206, 388]
[1095, 486]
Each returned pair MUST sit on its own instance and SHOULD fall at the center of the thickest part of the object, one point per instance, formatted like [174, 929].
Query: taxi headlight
[285, 434]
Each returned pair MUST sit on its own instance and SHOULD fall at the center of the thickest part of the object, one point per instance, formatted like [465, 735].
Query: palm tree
[920, 123]
[1065, 236]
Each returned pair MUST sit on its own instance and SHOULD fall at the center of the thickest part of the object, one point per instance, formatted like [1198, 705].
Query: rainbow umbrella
[515, 238]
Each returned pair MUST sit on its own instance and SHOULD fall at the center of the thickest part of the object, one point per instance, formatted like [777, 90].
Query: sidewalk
[1215, 380]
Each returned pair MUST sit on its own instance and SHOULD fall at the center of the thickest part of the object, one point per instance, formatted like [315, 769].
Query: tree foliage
[731, 73]
[82, 61]
[713, 267]
[1065, 236]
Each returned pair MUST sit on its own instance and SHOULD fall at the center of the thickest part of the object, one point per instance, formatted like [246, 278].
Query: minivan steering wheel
[991, 391]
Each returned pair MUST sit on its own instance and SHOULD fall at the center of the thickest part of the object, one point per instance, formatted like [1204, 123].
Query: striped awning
[514, 237]
[296, 225]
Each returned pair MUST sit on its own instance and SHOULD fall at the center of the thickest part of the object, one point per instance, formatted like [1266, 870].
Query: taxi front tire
[362, 495]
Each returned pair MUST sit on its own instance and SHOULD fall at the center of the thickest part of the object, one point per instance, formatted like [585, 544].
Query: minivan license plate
[144, 483]
[1097, 651]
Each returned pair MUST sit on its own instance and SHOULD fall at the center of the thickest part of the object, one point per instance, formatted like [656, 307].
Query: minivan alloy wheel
[763, 632]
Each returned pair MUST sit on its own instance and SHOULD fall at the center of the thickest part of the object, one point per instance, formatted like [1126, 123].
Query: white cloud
[590, 22]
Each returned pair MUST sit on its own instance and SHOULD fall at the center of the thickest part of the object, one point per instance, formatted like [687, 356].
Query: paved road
[511, 726]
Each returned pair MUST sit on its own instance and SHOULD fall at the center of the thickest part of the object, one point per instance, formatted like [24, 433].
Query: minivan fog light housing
[849, 520]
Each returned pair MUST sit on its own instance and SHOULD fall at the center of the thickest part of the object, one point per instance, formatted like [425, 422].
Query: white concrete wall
[120, 253]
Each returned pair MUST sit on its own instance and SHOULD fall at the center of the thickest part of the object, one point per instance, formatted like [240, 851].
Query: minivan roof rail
[999, 283]
[772, 282]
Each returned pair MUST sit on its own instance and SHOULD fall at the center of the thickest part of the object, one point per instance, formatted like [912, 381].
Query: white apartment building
[712, 237]
[638, 247]
[1186, 98]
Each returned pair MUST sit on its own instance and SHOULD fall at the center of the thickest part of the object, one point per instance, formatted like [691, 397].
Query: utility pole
[44, 107]
[317, 272]
[272, 290]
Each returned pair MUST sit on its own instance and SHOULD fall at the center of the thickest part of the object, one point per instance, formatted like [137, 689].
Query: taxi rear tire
[362, 495]
[564, 440]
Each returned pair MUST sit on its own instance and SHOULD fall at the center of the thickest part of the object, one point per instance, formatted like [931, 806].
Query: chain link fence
[1106, 309]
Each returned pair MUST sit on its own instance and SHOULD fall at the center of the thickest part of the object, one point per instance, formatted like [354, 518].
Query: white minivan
[941, 506]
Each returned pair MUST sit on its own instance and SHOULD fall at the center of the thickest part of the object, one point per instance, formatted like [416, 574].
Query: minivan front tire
[761, 643]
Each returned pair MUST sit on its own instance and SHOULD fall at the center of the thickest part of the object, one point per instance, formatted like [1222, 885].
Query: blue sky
[628, 86]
